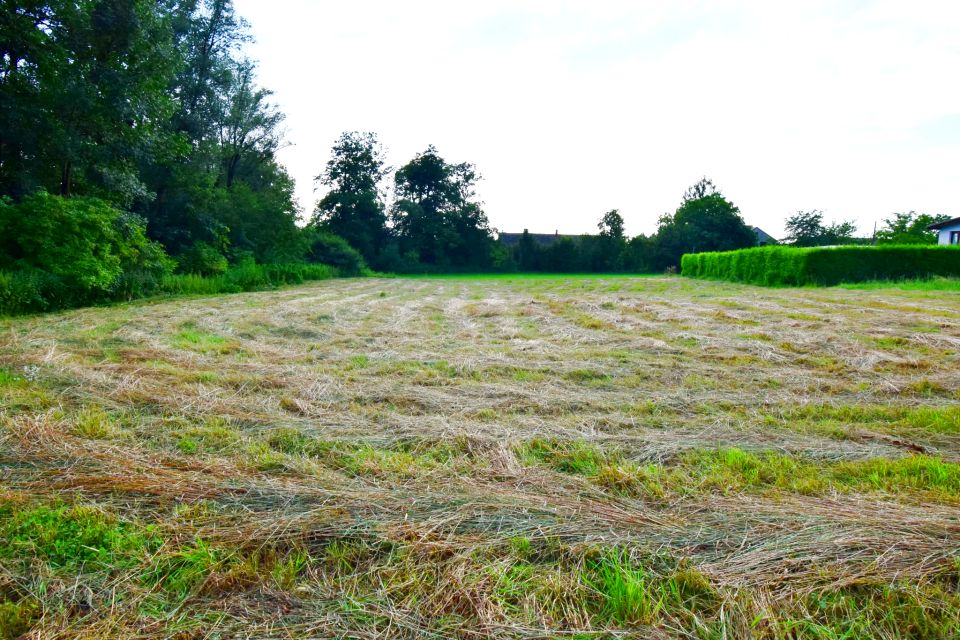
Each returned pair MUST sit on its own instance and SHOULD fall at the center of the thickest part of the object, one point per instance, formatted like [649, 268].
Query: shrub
[64, 252]
[202, 259]
[86, 243]
[824, 265]
[327, 248]
[24, 291]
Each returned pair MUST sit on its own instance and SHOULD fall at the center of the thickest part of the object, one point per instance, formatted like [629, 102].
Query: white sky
[570, 109]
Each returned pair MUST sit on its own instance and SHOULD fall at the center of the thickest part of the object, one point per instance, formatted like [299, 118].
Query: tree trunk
[65, 177]
[232, 168]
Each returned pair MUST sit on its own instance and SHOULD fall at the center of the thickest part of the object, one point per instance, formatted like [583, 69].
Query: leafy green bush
[64, 252]
[85, 243]
[202, 259]
[58, 253]
[27, 291]
[824, 265]
[327, 248]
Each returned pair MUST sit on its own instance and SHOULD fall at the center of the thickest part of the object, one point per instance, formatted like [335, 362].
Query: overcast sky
[570, 109]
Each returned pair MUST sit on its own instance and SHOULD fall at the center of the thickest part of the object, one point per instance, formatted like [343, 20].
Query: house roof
[762, 236]
[945, 223]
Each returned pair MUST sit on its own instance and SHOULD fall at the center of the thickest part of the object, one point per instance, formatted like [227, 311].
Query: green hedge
[36, 291]
[795, 266]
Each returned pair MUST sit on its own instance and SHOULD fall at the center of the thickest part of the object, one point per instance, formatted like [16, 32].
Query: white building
[948, 231]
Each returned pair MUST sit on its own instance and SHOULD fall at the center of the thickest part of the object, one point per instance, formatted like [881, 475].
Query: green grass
[577, 457]
[875, 610]
[925, 284]
[527, 277]
[732, 470]
[513, 456]
[882, 418]
[8, 379]
[203, 342]
[181, 572]
[17, 618]
[628, 595]
[73, 536]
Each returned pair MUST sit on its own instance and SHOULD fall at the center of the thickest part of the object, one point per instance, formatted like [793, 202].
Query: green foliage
[794, 266]
[353, 208]
[437, 220]
[706, 221]
[806, 229]
[34, 291]
[63, 252]
[85, 91]
[330, 249]
[85, 242]
[154, 107]
[73, 536]
[202, 259]
[247, 277]
[909, 228]
[29, 291]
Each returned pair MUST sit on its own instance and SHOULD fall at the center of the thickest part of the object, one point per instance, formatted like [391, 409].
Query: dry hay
[648, 368]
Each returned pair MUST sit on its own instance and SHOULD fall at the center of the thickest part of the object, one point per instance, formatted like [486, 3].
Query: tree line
[436, 223]
[135, 141]
[148, 108]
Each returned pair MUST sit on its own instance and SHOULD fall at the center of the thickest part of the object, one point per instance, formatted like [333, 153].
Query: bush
[824, 265]
[327, 248]
[84, 242]
[29, 291]
[202, 259]
[58, 253]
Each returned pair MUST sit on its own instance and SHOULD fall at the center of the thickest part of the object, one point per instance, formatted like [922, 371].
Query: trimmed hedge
[793, 266]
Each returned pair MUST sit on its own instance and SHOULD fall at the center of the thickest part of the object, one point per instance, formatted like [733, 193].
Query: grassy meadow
[510, 457]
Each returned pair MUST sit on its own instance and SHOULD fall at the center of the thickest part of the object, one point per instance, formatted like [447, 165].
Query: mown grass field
[485, 457]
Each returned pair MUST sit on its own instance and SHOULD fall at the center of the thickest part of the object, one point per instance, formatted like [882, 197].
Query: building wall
[944, 234]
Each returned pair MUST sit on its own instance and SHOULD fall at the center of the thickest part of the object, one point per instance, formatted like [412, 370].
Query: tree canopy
[354, 208]
[705, 221]
[152, 107]
[807, 229]
[909, 228]
[436, 218]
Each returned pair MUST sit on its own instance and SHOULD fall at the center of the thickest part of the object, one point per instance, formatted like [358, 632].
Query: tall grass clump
[247, 276]
[36, 291]
[795, 266]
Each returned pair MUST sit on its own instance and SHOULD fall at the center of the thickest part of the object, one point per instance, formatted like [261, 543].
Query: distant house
[763, 238]
[543, 239]
[948, 231]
